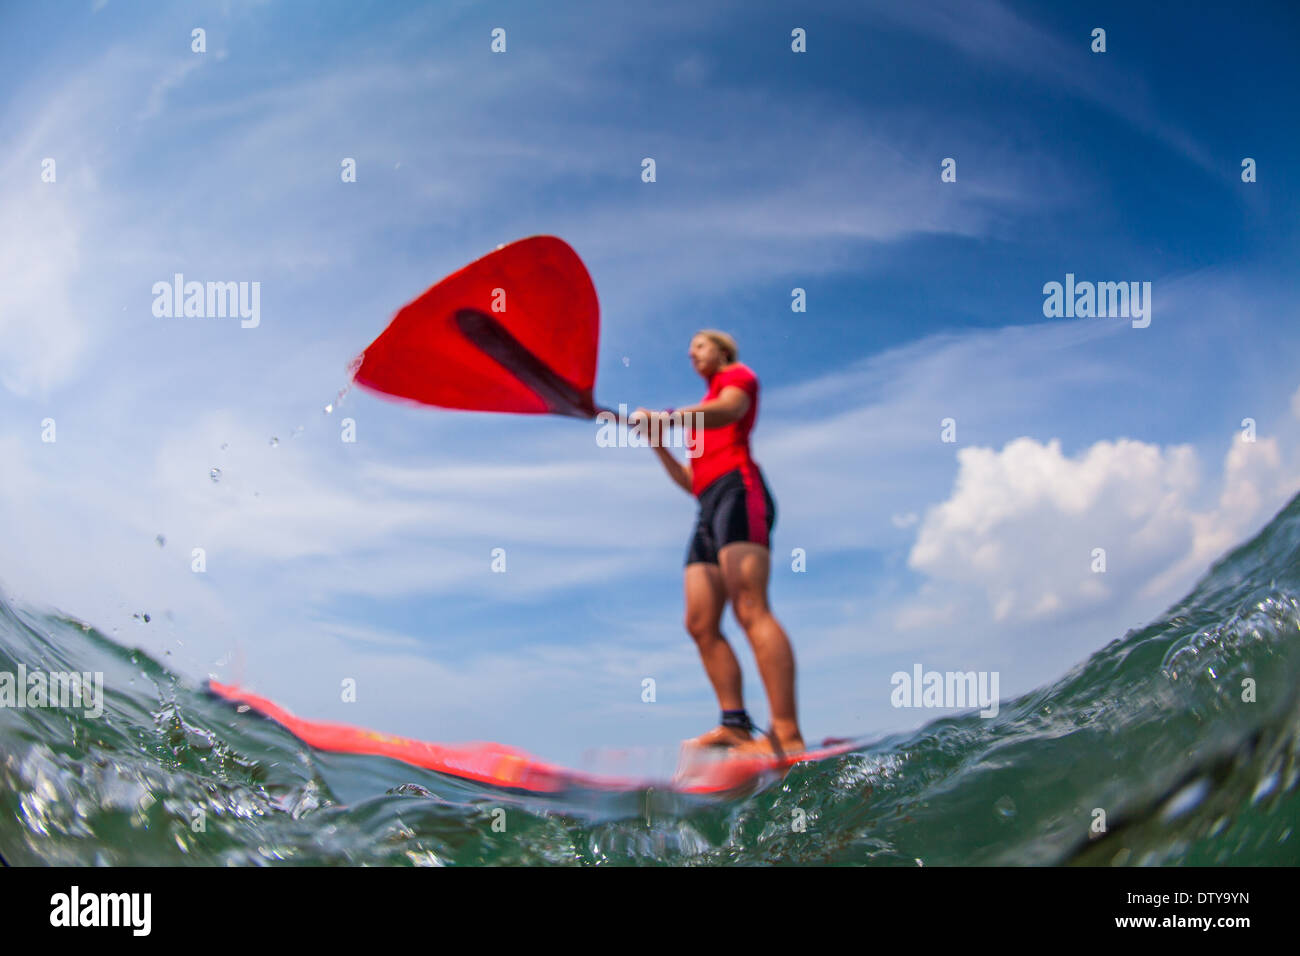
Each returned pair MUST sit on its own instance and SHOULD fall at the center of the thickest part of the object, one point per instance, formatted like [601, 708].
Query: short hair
[723, 341]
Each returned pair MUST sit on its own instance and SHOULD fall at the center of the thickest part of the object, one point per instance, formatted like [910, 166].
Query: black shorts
[736, 507]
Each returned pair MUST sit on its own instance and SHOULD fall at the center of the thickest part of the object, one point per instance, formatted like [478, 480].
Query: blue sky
[775, 170]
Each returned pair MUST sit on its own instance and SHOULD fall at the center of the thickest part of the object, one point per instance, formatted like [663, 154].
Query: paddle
[514, 331]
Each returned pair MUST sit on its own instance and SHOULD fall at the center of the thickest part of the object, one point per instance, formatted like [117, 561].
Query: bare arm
[730, 406]
[678, 472]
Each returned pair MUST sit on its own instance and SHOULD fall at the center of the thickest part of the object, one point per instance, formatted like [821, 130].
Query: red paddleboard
[500, 766]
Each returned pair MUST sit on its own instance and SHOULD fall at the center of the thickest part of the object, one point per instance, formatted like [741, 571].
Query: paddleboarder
[728, 558]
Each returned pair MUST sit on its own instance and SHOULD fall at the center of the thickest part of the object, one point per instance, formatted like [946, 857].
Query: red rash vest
[727, 448]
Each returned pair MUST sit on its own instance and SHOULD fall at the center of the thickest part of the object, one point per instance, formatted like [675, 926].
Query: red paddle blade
[515, 331]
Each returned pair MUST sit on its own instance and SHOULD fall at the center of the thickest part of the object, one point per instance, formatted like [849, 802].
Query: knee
[749, 609]
[703, 628]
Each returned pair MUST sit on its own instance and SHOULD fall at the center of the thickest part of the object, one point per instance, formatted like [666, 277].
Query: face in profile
[706, 356]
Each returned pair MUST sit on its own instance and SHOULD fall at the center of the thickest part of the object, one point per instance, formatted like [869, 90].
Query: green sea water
[1146, 753]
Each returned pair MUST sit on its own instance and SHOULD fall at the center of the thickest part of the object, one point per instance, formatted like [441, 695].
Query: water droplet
[626, 361]
[215, 475]
[273, 442]
[161, 540]
[1005, 807]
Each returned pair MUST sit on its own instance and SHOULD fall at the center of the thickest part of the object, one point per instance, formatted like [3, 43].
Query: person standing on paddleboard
[728, 558]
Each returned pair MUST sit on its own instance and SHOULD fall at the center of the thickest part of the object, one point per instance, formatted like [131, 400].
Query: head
[712, 350]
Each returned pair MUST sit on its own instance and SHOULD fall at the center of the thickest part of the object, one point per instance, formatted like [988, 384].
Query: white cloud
[1256, 482]
[1022, 524]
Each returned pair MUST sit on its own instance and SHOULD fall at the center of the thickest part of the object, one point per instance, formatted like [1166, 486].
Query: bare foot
[720, 736]
[766, 746]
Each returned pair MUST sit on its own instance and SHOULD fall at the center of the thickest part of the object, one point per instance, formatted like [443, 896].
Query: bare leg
[706, 597]
[745, 568]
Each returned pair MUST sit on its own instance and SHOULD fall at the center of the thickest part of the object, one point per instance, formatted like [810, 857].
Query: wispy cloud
[992, 33]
